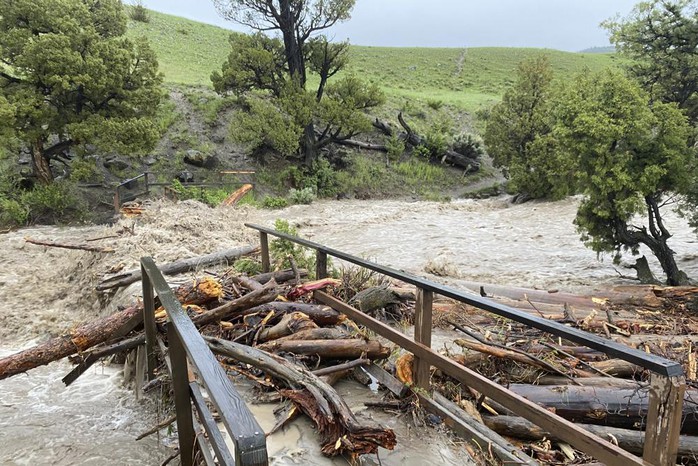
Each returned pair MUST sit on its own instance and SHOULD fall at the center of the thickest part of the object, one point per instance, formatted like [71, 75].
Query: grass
[466, 79]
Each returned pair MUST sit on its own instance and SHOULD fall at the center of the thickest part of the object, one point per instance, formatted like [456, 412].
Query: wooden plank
[250, 441]
[566, 430]
[664, 420]
[214, 434]
[388, 381]
[149, 324]
[471, 430]
[422, 334]
[180, 384]
[320, 265]
[264, 247]
[648, 361]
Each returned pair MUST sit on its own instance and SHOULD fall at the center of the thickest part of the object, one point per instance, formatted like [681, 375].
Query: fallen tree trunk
[289, 324]
[180, 266]
[320, 314]
[330, 349]
[280, 276]
[626, 408]
[320, 333]
[267, 293]
[340, 430]
[630, 440]
[79, 340]
[80, 247]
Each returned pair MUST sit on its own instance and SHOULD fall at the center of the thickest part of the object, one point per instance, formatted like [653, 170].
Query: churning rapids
[45, 291]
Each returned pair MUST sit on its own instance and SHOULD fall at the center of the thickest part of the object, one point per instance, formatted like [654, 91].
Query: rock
[199, 159]
[185, 177]
[150, 161]
[24, 159]
[113, 162]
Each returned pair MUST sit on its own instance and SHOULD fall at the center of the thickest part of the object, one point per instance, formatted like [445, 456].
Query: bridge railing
[187, 348]
[667, 384]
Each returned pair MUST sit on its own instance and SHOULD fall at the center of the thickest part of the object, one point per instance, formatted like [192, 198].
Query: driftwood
[235, 197]
[81, 247]
[340, 430]
[320, 333]
[86, 360]
[263, 295]
[625, 408]
[320, 314]
[630, 440]
[280, 276]
[289, 324]
[180, 266]
[79, 340]
[330, 349]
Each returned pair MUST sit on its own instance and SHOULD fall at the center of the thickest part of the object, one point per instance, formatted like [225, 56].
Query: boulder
[113, 162]
[199, 159]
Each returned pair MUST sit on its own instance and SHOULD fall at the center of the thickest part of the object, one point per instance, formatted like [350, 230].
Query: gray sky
[561, 24]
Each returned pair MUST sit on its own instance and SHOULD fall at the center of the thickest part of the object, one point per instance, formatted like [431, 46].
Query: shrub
[84, 170]
[396, 147]
[139, 12]
[435, 141]
[58, 202]
[209, 196]
[435, 104]
[301, 196]
[469, 144]
[12, 213]
[248, 266]
[271, 202]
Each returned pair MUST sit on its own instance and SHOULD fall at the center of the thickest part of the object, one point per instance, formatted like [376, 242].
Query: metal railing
[187, 347]
[666, 387]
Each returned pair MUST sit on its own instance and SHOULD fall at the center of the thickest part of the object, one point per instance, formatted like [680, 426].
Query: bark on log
[180, 266]
[289, 324]
[200, 291]
[79, 340]
[340, 430]
[330, 349]
[268, 293]
[630, 440]
[280, 276]
[320, 314]
[605, 382]
[625, 408]
[320, 333]
[235, 197]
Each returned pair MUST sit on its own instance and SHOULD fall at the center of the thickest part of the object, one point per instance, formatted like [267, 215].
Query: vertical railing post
[149, 323]
[422, 334]
[180, 384]
[264, 246]
[664, 419]
[320, 265]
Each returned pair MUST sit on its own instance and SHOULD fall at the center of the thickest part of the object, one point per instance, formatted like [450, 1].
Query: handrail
[652, 362]
[187, 345]
[666, 388]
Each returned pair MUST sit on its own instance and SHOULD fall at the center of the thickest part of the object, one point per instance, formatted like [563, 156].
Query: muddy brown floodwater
[46, 291]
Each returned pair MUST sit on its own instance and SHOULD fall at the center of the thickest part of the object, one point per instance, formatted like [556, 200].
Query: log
[88, 359]
[374, 298]
[320, 314]
[320, 333]
[235, 197]
[79, 340]
[173, 268]
[199, 291]
[289, 324]
[268, 293]
[630, 440]
[606, 382]
[340, 430]
[81, 247]
[614, 407]
[330, 349]
[280, 276]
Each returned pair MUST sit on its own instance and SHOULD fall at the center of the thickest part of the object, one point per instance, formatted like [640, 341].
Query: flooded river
[45, 291]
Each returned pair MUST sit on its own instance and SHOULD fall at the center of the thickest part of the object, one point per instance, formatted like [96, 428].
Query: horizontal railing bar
[648, 361]
[248, 436]
[214, 434]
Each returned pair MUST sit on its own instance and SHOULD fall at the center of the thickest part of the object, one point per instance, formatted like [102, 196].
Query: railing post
[422, 334]
[664, 419]
[149, 323]
[180, 384]
[320, 265]
[264, 246]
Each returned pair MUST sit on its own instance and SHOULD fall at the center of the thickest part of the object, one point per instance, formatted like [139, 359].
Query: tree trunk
[309, 144]
[341, 431]
[79, 340]
[330, 349]
[40, 164]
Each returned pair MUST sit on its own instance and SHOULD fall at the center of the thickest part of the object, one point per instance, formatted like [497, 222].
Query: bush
[139, 12]
[396, 147]
[85, 170]
[12, 213]
[320, 177]
[271, 202]
[469, 145]
[209, 196]
[301, 196]
[248, 266]
[436, 142]
[58, 202]
[435, 104]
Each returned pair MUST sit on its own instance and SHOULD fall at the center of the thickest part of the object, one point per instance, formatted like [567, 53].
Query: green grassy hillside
[466, 78]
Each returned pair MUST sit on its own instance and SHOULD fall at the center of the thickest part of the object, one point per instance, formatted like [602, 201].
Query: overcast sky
[560, 24]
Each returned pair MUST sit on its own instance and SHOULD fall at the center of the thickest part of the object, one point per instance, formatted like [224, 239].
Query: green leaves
[70, 76]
